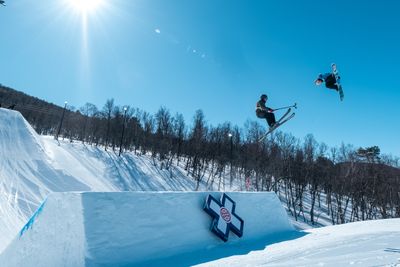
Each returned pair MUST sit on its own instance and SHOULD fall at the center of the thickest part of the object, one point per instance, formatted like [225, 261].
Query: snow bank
[27, 175]
[140, 229]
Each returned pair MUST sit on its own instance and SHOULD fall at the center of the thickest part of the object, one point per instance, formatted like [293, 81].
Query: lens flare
[85, 6]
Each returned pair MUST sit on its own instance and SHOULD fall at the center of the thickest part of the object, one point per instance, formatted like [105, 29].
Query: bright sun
[85, 6]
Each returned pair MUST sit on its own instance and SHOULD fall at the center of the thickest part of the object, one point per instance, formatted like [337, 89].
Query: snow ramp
[146, 228]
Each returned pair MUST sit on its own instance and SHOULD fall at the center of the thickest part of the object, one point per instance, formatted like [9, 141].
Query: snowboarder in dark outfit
[264, 112]
[329, 79]
[332, 81]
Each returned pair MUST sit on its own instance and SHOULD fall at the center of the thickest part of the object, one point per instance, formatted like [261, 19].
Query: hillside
[32, 166]
[352, 183]
[35, 165]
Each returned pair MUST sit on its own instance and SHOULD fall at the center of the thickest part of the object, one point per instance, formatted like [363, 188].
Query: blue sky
[218, 56]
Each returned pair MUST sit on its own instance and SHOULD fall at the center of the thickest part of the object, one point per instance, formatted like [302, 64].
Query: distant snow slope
[99, 168]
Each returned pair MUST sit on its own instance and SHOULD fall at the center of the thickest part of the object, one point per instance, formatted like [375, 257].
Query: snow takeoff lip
[142, 229]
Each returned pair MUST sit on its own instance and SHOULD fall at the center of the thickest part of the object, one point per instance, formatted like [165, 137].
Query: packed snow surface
[369, 243]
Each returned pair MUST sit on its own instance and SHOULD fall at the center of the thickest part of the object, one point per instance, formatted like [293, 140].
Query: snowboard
[335, 72]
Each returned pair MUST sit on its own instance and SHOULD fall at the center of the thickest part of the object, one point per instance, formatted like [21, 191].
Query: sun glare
[85, 6]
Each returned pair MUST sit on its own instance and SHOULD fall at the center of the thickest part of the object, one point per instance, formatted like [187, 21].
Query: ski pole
[292, 106]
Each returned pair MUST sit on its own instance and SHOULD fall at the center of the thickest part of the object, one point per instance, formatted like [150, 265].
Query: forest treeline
[351, 183]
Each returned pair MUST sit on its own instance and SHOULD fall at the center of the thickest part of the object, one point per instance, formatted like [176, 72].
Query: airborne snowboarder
[2, 2]
[332, 81]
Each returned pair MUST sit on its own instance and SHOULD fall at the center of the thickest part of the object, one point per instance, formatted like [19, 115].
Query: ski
[337, 78]
[283, 116]
[285, 120]
[280, 122]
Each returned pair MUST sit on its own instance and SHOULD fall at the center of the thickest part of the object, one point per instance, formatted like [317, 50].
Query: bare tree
[107, 113]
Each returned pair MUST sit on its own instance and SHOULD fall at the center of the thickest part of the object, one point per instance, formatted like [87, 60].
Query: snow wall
[27, 175]
[140, 229]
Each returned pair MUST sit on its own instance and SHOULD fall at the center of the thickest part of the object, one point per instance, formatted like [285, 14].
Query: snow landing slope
[32, 166]
[368, 243]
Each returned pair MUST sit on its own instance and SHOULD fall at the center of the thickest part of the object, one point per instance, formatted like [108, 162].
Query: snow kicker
[144, 228]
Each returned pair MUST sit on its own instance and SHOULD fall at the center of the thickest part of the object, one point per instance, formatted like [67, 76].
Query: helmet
[264, 96]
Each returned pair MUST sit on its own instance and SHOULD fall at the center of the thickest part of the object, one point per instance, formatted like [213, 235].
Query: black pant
[269, 116]
[330, 82]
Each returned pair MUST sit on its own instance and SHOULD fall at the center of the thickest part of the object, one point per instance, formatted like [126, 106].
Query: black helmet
[264, 96]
